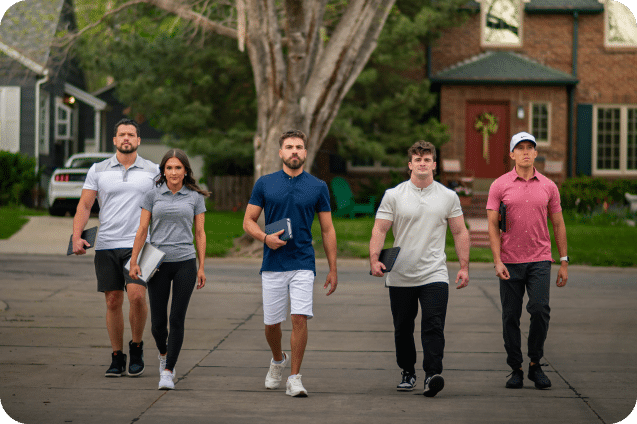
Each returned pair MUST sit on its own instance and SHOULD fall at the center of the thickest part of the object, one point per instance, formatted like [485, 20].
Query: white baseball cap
[522, 136]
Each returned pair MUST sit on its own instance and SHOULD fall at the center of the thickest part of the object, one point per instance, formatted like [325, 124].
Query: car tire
[57, 211]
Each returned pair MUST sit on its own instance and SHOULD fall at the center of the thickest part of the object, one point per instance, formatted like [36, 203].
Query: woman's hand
[201, 278]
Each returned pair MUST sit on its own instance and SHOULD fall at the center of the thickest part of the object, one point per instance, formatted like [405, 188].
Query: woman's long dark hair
[189, 180]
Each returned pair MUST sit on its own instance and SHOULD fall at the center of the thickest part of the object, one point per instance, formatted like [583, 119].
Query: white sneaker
[273, 379]
[166, 381]
[294, 387]
[162, 365]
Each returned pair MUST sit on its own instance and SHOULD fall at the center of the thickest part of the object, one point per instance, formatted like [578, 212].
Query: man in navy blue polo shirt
[288, 266]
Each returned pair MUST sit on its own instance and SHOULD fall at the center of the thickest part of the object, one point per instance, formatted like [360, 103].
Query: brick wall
[606, 75]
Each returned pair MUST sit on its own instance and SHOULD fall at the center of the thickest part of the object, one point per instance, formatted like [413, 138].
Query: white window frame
[608, 4]
[45, 120]
[623, 141]
[10, 119]
[483, 22]
[59, 104]
[541, 142]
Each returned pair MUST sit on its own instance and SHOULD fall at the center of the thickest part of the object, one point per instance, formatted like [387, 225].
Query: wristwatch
[564, 258]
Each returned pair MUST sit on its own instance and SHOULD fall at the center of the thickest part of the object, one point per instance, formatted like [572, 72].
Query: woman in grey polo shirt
[169, 210]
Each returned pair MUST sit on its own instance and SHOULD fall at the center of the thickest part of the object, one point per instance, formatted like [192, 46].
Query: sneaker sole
[435, 386]
[300, 394]
[130, 374]
[165, 388]
[111, 375]
[403, 389]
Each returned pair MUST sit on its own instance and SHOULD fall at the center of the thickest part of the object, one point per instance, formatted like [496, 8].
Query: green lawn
[601, 244]
[13, 218]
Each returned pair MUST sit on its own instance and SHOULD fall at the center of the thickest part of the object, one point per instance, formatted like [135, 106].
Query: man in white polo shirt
[119, 183]
[419, 211]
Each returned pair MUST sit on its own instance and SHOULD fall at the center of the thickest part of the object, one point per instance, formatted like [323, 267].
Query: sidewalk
[44, 235]
[54, 350]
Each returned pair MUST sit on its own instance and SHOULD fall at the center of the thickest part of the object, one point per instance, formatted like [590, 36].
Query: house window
[44, 123]
[63, 127]
[541, 122]
[620, 27]
[501, 22]
[615, 140]
[10, 119]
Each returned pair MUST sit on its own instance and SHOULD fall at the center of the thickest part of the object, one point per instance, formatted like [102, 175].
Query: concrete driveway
[54, 350]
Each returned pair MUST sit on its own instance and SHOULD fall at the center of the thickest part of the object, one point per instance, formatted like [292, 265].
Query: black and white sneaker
[433, 385]
[136, 365]
[118, 365]
[408, 383]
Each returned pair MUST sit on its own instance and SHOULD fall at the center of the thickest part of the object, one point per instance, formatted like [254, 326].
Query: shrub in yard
[17, 178]
[585, 193]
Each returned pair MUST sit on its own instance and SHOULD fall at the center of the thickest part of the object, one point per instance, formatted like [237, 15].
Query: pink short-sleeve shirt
[528, 204]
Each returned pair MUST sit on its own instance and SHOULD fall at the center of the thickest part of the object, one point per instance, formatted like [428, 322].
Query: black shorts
[110, 272]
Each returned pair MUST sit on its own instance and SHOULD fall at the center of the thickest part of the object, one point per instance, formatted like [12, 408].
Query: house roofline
[87, 98]
[32, 65]
[472, 82]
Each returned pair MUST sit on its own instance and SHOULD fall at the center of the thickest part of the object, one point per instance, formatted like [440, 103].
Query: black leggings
[183, 276]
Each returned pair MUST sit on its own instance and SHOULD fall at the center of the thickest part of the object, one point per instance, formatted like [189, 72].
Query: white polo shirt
[119, 193]
[419, 223]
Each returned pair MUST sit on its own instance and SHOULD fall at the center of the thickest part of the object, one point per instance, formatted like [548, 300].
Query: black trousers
[535, 278]
[433, 300]
[182, 276]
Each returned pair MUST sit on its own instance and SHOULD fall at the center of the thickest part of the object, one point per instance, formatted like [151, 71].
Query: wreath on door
[487, 125]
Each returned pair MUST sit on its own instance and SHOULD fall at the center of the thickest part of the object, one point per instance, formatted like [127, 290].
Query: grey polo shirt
[419, 221]
[119, 194]
[172, 216]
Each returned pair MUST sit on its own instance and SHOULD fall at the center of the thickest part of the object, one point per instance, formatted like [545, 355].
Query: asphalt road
[54, 350]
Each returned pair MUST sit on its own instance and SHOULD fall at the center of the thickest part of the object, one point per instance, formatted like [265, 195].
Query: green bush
[585, 193]
[17, 178]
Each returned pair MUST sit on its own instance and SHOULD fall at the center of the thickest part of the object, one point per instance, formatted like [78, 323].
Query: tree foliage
[391, 105]
[196, 86]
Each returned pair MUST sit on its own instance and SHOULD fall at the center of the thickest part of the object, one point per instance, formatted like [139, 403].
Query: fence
[230, 192]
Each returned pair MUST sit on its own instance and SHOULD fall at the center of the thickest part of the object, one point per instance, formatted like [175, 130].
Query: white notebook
[149, 259]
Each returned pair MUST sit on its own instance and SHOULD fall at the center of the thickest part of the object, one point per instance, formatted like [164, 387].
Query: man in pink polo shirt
[522, 255]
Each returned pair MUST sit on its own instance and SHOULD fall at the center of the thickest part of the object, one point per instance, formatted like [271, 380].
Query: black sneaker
[516, 381]
[537, 375]
[118, 365]
[433, 385]
[408, 383]
[136, 365]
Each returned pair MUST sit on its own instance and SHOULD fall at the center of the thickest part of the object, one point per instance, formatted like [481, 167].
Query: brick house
[563, 70]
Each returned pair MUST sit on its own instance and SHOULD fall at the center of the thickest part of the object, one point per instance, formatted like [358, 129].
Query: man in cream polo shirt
[419, 211]
[119, 183]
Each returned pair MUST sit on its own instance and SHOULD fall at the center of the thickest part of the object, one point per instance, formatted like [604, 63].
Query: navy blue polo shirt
[298, 198]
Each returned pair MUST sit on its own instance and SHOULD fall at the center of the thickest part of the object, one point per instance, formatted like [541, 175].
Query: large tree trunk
[300, 79]
[304, 88]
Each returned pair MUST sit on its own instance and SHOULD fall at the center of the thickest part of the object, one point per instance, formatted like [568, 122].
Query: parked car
[65, 187]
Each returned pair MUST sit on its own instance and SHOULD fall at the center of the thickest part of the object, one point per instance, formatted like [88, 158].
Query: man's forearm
[329, 245]
[462, 243]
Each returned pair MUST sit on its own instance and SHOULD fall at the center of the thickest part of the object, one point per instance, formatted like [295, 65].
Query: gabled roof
[493, 67]
[27, 32]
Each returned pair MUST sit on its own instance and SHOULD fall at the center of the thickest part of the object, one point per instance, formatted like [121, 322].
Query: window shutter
[584, 140]
[10, 119]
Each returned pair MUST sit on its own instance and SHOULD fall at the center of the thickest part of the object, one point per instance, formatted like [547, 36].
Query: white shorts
[276, 286]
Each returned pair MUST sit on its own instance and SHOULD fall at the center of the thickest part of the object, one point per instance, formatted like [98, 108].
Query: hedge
[585, 193]
[17, 178]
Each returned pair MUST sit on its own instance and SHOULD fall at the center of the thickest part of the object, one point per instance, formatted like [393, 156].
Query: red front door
[486, 157]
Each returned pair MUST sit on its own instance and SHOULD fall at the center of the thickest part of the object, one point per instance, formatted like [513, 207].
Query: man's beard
[293, 165]
[131, 149]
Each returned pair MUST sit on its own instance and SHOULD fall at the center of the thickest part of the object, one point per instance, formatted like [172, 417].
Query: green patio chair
[345, 204]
